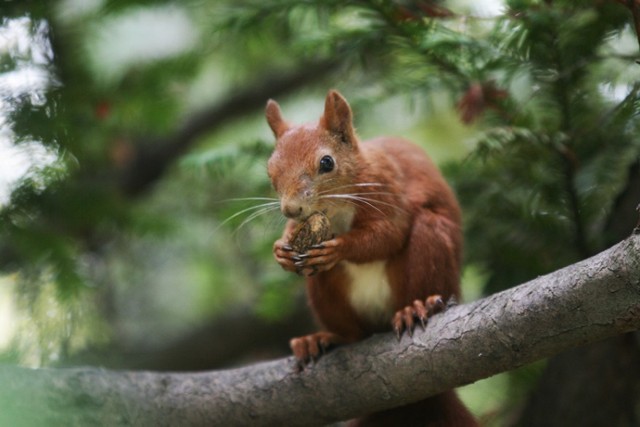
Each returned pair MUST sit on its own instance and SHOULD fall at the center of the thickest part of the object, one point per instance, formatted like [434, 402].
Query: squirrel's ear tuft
[337, 117]
[274, 118]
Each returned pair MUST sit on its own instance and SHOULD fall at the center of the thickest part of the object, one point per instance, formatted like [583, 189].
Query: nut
[312, 231]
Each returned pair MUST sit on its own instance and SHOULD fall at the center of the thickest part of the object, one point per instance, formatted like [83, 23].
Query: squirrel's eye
[326, 164]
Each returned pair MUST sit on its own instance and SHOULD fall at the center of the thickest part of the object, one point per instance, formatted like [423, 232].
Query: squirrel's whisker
[271, 205]
[360, 184]
[246, 199]
[256, 214]
[369, 201]
[355, 198]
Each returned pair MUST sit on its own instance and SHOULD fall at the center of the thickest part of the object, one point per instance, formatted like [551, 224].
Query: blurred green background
[129, 130]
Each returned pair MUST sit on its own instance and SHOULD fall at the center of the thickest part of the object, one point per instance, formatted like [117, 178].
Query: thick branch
[586, 302]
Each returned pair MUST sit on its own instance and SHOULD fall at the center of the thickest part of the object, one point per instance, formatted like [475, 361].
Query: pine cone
[314, 230]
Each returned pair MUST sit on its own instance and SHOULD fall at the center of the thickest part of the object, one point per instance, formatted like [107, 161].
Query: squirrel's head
[312, 162]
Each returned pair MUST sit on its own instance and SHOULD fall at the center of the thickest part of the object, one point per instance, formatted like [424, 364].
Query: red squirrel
[395, 254]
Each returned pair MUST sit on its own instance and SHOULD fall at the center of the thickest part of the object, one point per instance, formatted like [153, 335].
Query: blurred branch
[562, 89]
[585, 302]
[570, 165]
[153, 157]
[624, 216]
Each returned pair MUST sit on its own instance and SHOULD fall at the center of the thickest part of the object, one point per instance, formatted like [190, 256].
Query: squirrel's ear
[337, 117]
[274, 118]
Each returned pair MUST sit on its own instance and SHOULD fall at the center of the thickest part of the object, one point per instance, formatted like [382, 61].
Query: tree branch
[623, 215]
[585, 302]
[154, 156]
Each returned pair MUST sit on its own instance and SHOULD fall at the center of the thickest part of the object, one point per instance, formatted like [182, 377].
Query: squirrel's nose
[291, 210]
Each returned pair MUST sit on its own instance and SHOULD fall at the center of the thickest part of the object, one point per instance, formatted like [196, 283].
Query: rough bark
[586, 302]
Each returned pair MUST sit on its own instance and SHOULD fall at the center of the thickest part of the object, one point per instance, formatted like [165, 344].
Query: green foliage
[548, 92]
[51, 329]
[551, 171]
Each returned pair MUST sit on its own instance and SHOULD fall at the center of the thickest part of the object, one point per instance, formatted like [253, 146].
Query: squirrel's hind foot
[404, 319]
[309, 348]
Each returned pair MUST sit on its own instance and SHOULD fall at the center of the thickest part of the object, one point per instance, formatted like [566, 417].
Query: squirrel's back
[423, 185]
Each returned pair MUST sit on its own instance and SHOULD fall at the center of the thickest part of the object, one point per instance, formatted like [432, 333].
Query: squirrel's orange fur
[396, 251]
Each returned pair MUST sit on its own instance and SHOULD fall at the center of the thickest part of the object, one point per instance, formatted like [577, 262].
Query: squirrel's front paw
[285, 255]
[321, 257]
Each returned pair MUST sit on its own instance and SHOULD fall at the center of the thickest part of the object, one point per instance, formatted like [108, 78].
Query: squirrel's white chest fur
[369, 290]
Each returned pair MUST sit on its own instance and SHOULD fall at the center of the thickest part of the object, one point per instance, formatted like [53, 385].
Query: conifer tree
[550, 89]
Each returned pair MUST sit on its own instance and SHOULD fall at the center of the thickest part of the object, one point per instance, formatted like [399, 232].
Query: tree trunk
[589, 387]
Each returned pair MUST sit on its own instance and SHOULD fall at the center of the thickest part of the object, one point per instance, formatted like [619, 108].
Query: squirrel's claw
[323, 256]
[309, 348]
[403, 319]
[284, 255]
